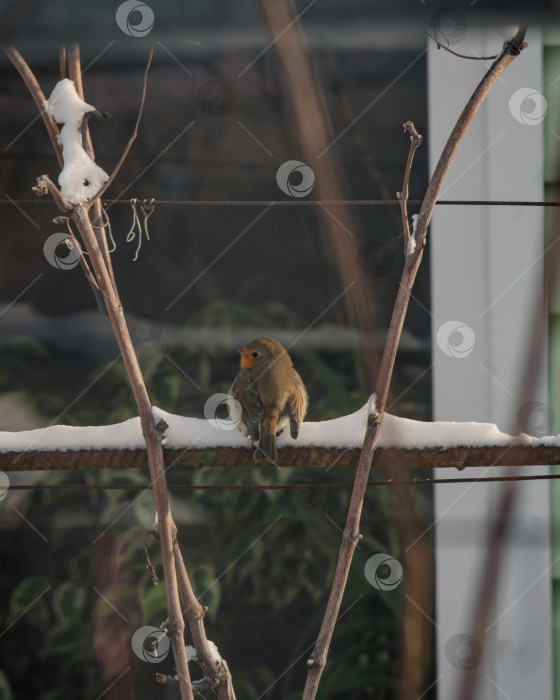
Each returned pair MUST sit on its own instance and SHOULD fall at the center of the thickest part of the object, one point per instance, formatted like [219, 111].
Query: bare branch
[134, 133]
[152, 437]
[84, 264]
[511, 50]
[75, 72]
[198, 686]
[415, 141]
[37, 94]
[62, 61]
[351, 535]
[75, 75]
[195, 615]
[461, 55]
[46, 186]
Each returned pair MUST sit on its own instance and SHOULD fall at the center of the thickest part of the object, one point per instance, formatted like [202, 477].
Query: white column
[488, 274]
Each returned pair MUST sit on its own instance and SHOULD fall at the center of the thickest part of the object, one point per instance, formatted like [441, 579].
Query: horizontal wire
[276, 487]
[311, 202]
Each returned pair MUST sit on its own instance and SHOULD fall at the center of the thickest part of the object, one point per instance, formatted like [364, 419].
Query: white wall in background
[488, 273]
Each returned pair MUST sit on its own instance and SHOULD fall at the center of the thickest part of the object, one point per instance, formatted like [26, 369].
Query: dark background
[266, 593]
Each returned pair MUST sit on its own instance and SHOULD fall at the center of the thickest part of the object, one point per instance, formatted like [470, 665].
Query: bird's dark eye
[255, 354]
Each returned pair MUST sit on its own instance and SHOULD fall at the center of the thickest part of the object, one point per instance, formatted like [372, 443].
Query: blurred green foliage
[262, 561]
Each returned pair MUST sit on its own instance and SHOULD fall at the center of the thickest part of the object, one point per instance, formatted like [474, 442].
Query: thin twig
[511, 49]
[75, 72]
[415, 141]
[62, 61]
[198, 686]
[153, 444]
[152, 435]
[134, 133]
[194, 611]
[84, 265]
[418, 561]
[33, 86]
[461, 55]
[413, 259]
[46, 186]
[149, 565]
[75, 75]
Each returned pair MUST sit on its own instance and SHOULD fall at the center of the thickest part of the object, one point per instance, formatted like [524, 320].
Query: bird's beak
[240, 351]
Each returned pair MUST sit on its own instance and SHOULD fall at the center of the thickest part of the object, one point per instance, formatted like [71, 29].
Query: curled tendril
[140, 228]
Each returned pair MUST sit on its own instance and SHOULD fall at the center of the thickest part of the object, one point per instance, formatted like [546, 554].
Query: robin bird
[271, 394]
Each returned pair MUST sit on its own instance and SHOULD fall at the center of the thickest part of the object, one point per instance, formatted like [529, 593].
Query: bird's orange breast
[247, 359]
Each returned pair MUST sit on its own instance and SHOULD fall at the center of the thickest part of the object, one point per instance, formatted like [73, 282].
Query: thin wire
[277, 487]
[310, 202]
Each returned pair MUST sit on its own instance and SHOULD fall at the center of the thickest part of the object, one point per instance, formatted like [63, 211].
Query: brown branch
[46, 186]
[84, 264]
[219, 676]
[511, 49]
[198, 686]
[75, 72]
[75, 75]
[37, 94]
[134, 133]
[171, 557]
[415, 141]
[311, 131]
[152, 435]
[418, 560]
[461, 55]
[413, 259]
[153, 444]
[62, 62]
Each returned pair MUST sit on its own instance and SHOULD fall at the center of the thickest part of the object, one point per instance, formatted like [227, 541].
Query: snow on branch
[81, 178]
[198, 442]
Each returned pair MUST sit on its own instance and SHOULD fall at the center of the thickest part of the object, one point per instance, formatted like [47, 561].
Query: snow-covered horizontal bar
[198, 442]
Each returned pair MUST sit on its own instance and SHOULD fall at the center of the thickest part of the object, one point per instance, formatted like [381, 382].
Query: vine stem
[413, 258]
[152, 436]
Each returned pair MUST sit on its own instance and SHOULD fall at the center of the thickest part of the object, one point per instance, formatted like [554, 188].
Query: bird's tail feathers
[266, 449]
